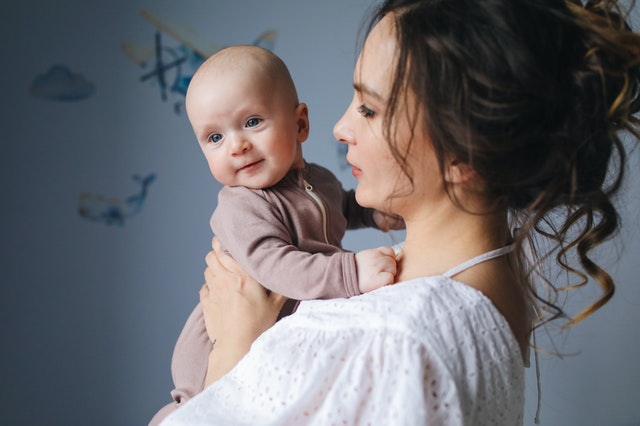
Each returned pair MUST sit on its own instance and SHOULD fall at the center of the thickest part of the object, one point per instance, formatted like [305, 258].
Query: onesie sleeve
[356, 215]
[362, 217]
[259, 236]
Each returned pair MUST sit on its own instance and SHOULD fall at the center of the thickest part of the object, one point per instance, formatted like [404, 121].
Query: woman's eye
[215, 138]
[253, 122]
[365, 112]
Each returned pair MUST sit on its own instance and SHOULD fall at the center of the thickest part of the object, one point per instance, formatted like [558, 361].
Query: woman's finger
[213, 262]
[224, 258]
[204, 291]
[223, 268]
[213, 258]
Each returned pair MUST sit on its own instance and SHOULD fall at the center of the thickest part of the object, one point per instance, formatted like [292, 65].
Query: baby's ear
[302, 118]
[458, 172]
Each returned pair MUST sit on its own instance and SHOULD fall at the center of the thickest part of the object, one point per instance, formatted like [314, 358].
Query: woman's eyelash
[365, 112]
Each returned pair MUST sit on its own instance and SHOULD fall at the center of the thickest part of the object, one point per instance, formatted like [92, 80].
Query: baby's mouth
[249, 166]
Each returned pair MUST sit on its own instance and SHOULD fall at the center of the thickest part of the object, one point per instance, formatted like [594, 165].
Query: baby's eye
[253, 122]
[215, 137]
[366, 112]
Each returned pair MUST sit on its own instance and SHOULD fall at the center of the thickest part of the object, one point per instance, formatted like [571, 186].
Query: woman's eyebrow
[362, 88]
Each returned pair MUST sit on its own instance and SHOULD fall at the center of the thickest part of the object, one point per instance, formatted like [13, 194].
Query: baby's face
[248, 134]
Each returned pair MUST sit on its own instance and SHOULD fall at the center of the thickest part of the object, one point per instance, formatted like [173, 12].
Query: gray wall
[89, 312]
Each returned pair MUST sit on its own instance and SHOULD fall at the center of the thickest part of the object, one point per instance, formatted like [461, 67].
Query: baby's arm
[364, 217]
[387, 221]
[259, 235]
[375, 268]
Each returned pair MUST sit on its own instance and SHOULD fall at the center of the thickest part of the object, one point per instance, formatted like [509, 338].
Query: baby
[279, 217]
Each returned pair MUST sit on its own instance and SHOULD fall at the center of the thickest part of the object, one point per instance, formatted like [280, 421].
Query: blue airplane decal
[171, 68]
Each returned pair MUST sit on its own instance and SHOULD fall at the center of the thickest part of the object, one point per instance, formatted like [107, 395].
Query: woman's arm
[237, 309]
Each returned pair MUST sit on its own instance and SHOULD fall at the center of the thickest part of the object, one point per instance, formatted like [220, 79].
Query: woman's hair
[534, 96]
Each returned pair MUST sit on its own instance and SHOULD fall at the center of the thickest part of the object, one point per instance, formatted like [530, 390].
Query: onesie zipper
[309, 189]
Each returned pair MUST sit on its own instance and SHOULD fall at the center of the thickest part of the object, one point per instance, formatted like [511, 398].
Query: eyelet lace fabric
[430, 351]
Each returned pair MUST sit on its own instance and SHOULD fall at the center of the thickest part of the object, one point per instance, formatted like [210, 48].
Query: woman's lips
[355, 171]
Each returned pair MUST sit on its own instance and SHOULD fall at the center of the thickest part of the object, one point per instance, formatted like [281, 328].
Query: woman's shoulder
[427, 308]
[500, 286]
[432, 340]
[430, 332]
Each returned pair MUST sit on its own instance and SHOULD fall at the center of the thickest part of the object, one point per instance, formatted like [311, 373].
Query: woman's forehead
[374, 69]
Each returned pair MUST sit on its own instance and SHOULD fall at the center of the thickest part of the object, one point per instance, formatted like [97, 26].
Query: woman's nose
[341, 130]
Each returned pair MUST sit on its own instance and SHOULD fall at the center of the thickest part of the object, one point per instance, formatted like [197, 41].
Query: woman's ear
[458, 172]
[302, 118]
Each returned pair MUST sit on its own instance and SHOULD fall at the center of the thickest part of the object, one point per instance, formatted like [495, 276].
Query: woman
[491, 128]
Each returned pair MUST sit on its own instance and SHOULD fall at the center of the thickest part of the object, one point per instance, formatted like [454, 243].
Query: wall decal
[59, 83]
[170, 67]
[114, 211]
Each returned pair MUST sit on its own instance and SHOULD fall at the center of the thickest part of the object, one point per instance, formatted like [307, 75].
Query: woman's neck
[436, 242]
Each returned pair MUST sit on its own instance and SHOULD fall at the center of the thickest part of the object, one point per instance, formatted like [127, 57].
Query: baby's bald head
[257, 65]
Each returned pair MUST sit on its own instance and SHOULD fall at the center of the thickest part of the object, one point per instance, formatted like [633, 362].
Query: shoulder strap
[478, 259]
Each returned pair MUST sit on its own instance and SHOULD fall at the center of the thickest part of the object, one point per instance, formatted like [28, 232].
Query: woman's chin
[364, 199]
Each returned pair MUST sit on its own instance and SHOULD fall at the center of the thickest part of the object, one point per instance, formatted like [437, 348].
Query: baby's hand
[387, 221]
[376, 268]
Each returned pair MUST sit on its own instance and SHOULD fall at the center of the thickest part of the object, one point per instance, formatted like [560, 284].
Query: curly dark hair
[534, 95]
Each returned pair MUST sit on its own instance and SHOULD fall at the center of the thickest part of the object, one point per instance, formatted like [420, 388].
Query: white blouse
[428, 351]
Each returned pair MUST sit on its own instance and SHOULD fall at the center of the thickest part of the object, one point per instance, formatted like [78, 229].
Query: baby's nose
[239, 146]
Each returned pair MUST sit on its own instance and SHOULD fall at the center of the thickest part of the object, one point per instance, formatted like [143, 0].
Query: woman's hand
[237, 309]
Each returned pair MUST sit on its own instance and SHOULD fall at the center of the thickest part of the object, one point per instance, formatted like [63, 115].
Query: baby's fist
[375, 268]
